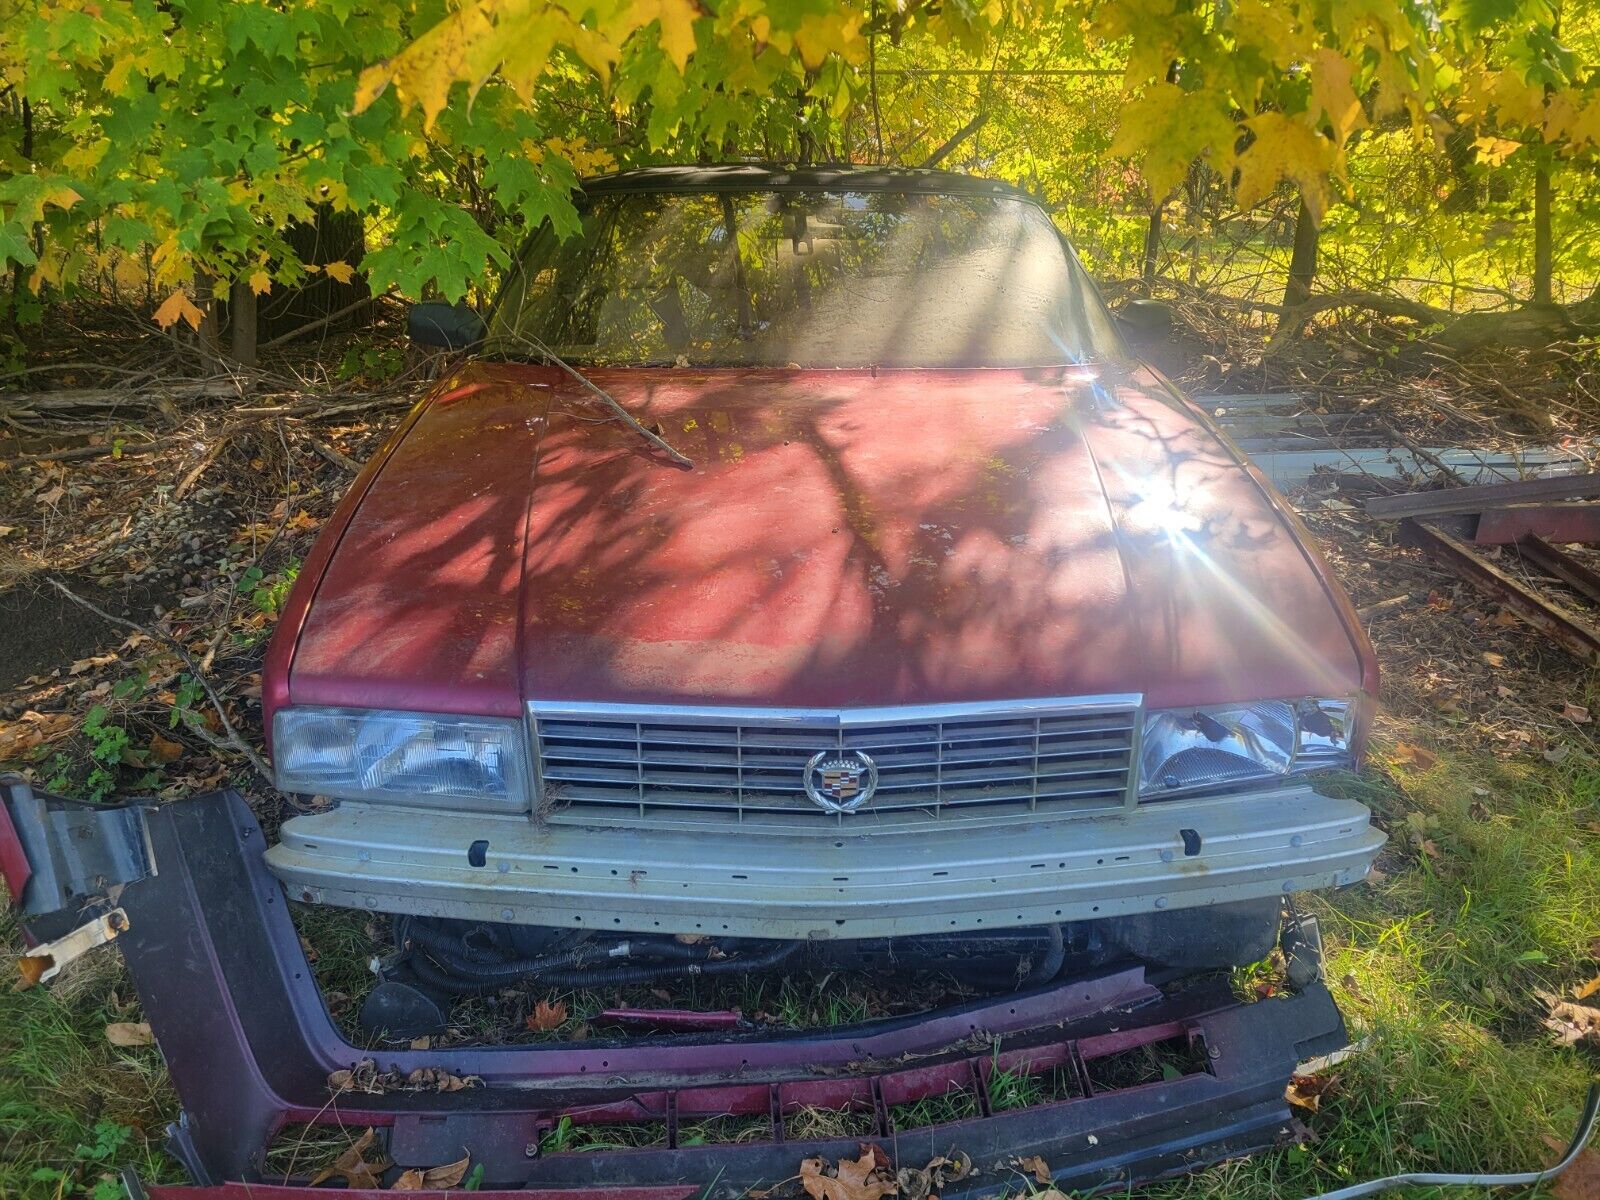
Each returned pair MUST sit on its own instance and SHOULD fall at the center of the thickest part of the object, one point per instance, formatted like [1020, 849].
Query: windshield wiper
[627, 418]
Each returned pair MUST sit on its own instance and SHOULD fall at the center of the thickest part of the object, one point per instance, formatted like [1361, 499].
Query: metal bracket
[77, 852]
[43, 963]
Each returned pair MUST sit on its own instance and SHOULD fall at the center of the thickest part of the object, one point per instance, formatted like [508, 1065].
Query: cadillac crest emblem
[840, 781]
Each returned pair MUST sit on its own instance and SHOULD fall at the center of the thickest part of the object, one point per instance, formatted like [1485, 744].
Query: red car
[910, 605]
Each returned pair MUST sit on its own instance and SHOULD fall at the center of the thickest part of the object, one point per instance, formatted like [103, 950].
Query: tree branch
[231, 739]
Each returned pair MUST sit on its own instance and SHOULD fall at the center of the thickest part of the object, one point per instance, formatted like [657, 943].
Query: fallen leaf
[51, 497]
[437, 1079]
[1580, 1181]
[1305, 1091]
[851, 1181]
[1037, 1167]
[1587, 990]
[434, 1178]
[1505, 617]
[1504, 692]
[1493, 659]
[422, 1043]
[31, 968]
[164, 750]
[1414, 756]
[353, 1167]
[1576, 713]
[130, 1033]
[1571, 1023]
[546, 1016]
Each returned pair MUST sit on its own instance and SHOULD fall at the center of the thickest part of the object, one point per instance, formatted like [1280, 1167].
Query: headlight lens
[1189, 749]
[406, 758]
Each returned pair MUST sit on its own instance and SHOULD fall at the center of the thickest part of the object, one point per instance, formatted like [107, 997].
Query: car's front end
[963, 644]
[959, 621]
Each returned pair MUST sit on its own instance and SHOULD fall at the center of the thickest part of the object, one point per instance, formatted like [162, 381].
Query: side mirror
[1145, 320]
[452, 326]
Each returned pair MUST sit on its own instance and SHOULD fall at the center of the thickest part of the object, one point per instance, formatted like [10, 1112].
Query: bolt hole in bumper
[1128, 1083]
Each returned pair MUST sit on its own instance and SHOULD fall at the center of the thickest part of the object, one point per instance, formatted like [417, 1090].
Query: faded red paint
[845, 538]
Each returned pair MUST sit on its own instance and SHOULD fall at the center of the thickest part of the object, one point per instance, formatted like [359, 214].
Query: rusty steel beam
[1580, 577]
[1562, 627]
[1559, 523]
[1482, 497]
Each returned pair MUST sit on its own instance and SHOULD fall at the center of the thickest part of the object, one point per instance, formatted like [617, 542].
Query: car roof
[760, 177]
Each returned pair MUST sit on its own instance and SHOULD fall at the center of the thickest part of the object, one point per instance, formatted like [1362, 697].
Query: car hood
[845, 538]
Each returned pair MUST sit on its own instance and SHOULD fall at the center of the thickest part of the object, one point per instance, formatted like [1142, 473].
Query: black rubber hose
[469, 979]
[447, 951]
[454, 944]
[1050, 966]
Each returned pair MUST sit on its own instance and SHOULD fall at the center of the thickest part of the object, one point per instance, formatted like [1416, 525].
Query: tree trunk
[1152, 241]
[1542, 255]
[208, 335]
[242, 323]
[1302, 262]
[330, 237]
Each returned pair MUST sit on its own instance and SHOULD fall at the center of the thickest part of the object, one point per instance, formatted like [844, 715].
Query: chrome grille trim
[627, 762]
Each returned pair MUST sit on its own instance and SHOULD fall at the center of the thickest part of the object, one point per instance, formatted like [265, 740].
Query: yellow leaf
[1587, 990]
[86, 156]
[61, 197]
[1495, 150]
[1332, 93]
[677, 25]
[260, 283]
[178, 305]
[1285, 148]
[1271, 30]
[343, 272]
[837, 33]
[1168, 128]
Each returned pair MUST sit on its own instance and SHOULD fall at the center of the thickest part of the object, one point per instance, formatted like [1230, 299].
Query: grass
[954, 1105]
[74, 1108]
[1490, 891]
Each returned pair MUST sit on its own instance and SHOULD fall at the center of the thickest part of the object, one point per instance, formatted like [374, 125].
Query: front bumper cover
[250, 1045]
[878, 882]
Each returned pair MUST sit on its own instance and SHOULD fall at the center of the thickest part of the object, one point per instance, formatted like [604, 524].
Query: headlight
[1188, 749]
[407, 758]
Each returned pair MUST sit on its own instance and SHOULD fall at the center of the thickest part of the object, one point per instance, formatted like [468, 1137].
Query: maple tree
[161, 147]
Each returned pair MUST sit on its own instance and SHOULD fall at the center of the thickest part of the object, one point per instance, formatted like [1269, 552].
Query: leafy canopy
[168, 141]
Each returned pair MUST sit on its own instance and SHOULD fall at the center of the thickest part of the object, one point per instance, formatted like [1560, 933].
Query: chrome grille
[1032, 756]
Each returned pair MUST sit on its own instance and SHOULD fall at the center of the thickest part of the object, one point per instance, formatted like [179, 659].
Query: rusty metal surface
[1579, 576]
[1482, 497]
[1557, 623]
[1559, 523]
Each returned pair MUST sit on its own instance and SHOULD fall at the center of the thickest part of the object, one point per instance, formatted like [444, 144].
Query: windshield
[808, 279]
